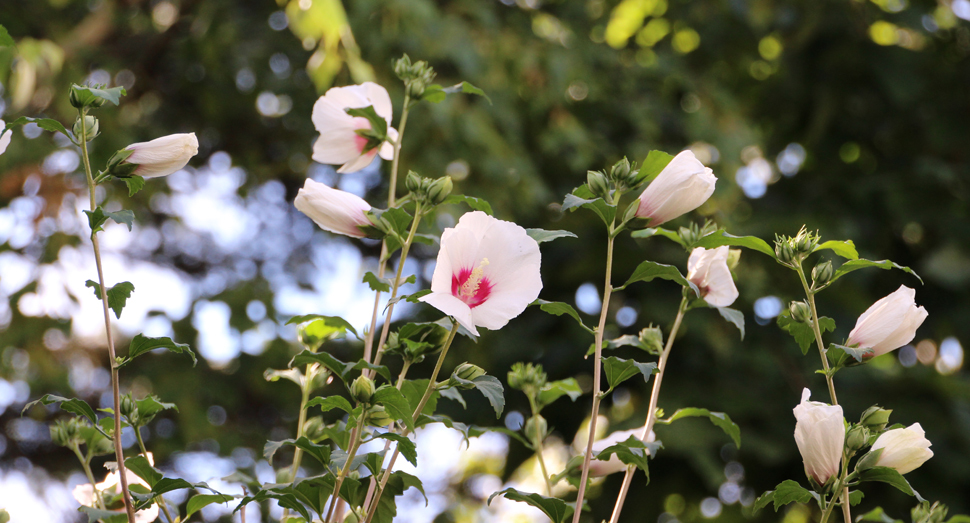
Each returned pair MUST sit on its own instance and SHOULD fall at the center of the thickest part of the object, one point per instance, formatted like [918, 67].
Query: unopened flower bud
[440, 189]
[129, 408]
[534, 424]
[800, 311]
[822, 273]
[598, 184]
[378, 417]
[402, 67]
[63, 433]
[162, 156]
[526, 377]
[468, 371]
[362, 389]
[856, 438]
[688, 235]
[313, 428]
[926, 513]
[620, 172]
[875, 417]
[652, 339]
[784, 251]
[413, 182]
[90, 128]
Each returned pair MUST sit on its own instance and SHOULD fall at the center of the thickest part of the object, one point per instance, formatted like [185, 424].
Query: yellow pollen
[470, 287]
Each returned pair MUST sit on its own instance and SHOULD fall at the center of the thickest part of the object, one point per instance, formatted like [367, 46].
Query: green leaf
[413, 390]
[552, 391]
[332, 321]
[477, 204]
[397, 484]
[734, 316]
[466, 431]
[5, 39]
[554, 508]
[198, 502]
[492, 389]
[802, 332]
[605, 211]
[46, 124]
[72, 405]
[377, 123]
[140, 466]
[135, 183]
[891, 476]
[105, 516]
[434, 93]
[633, 451]
[558, 308]
[377, 284]
[658, 231]
[719, 238]
[842, 356]
[454, 395]
[142, 344]
[845, 249]
[652, 165]
[112, 95]
[395, 404]
[331, 402]
[98, 216]
[293, 375]
[854, 265]
[407, 447]
[541, 235]
[786, 492]
[649, 270]
[150, 406]
[719, 419]
[619, 370]
[855, 497]
[879, 516]
[341, 369]
[117, 295]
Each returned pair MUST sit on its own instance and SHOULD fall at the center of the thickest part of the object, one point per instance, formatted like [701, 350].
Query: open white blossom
[682, 186]
[332, 209]
[889, 323]
[163, 156]
[487, 272]
[708, 269]
[903, 449]
[820, 436]
[338, 143]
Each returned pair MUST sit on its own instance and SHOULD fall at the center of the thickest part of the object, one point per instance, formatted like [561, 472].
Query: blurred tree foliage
[868, 99]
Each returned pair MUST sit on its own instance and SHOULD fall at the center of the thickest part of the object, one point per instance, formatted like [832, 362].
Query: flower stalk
[115, 386]
[538, 437]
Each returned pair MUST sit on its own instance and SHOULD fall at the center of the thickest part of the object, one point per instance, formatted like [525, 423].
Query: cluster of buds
[527, 377]
[428, 191]
[926, 513]
[416, 77]
[67, 433]
[624, 174]
[690, 235]
[652, 340]
[792, 250]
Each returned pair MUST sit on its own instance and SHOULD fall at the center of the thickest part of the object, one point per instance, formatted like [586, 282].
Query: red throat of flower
[471, 285]
[360, 143]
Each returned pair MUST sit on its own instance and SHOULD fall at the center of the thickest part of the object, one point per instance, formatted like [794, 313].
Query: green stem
[115, 386]
[538, 448]
[827, 512]
[414, 417]
[301, 421]
[396, 284]
[86, 465]
[652, 408]
[144, 452]
[354, 446]
[597, 364]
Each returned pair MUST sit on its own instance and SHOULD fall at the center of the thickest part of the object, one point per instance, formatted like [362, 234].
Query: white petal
[333, 210]
[387, 149]
[336, 146]
[164, 155]
[358, 163]
[682, 186]
[5, 139]
[379, 98]
[453, 307]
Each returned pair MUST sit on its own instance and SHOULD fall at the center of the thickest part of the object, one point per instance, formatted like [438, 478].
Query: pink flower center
[471, 285]
[360, 142]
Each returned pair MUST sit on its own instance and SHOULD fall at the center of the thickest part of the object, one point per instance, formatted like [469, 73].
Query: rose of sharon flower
[5, 139]
[820, 436]
[162, 156]
[487, 272]
[708, 269]
[332, 209]
[338, 143]
[682, 186]
[903, 449]
[603, 468]
[84, 494]
[889, 323]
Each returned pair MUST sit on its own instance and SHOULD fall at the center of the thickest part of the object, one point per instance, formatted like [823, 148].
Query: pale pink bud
[903, 449]
[332, 209]
[889, 323]
[682, 186]
[708, 269]
[338, 143]
[820, 436]
[163, 156]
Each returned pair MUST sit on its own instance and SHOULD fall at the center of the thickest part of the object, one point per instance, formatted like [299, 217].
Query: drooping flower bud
[820, 436]
[822, 273]
[90, 128]
[875, 417]
[362, 389]
[800, 311]
[889, 323]
[652, 339]
[598, 184]
[162, 156]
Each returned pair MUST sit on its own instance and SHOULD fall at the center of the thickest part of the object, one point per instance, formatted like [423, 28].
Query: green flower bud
[439, 190]
[598, 184]
[129, 408]
[378, 417]
[652, 339]
[856, 438]
[875, 417]
[822, 273]
[534, 423]
[926, 513]
[620, 172]
[804, 242]
[784, 251]
[91, 126]
[468, 371]
[59, 435]
[313, 428]
[362, 389]
[526, 377]
[413, 182]
[102, 445]
[402, 67]
[688, 235]
[869, 460]
[800, 311]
